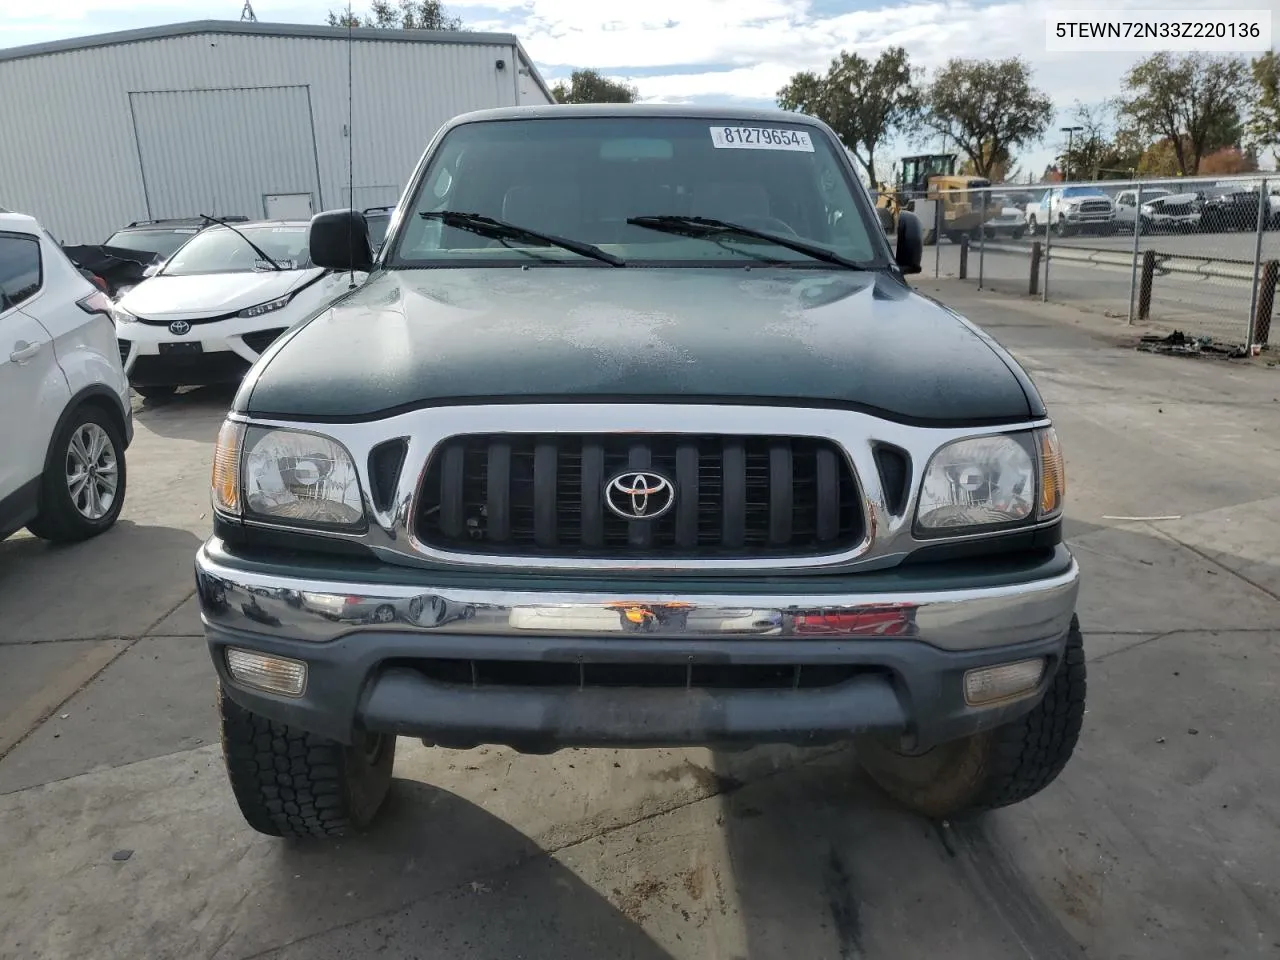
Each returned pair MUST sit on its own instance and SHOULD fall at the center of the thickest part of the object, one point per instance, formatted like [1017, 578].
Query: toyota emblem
[179, 328]
[639, 495]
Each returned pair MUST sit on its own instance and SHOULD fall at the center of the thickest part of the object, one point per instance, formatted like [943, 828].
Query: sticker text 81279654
[760, 138]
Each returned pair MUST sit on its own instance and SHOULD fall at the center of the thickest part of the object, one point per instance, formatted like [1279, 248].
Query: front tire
[994, 768]
[291, 783]
[82, 491]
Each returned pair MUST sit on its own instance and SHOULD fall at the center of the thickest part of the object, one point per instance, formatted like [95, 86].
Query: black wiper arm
[501, 230]
[708, 227]
[256, 249]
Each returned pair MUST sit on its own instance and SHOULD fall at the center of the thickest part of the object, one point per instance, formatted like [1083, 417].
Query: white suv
[66, 417]
[218, 302]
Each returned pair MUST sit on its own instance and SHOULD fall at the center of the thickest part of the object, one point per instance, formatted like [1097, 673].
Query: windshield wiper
[256, 249]
[501, 230]
[709, 228]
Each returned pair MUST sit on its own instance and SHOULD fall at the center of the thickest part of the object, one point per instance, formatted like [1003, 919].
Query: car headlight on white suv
[290, 477]
[984, 483]
[120, 315]
[270, 306]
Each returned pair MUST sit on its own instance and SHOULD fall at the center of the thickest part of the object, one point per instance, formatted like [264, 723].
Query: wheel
[994, 768]
[1063, 230]
[291, 783]
[155, 393]
[1018, 232]
[1144, 226]
[82, 491]
[1032, 225]
[955, 236]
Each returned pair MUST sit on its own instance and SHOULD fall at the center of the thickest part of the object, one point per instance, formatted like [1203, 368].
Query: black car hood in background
[116, 265]
[415, 337]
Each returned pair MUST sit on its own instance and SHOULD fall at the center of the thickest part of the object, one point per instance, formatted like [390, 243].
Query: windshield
[582, 178]
[1083, 192]
[221, 250]
[162, 242]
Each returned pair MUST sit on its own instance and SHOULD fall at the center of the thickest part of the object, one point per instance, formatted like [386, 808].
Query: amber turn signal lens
[226, 468]
[1053, 474]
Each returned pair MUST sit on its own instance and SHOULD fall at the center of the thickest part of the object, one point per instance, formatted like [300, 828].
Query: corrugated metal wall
[70, 156]
[220, 151]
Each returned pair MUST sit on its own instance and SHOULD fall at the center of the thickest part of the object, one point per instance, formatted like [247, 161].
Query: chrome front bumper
[316, 611]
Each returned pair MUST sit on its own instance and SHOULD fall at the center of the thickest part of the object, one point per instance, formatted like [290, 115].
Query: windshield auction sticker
[760, 138]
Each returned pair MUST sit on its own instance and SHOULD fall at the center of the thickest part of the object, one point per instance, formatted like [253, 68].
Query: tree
[864, 102]
[1091, 146]
[590, 86]
[403, 15]
[1264, 119]
[1160, 159]
[997, 166]
[1189, 101]
[1229, 160]
[986, 108]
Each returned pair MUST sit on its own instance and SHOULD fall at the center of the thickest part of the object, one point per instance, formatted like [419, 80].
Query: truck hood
[212, 294]
[411, 338]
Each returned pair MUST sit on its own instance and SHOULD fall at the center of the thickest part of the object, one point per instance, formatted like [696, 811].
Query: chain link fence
[1197, 255]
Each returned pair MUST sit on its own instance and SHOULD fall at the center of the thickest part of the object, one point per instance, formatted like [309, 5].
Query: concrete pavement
[120, 837]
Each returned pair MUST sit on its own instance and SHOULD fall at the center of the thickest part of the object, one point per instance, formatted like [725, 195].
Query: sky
[732, 52]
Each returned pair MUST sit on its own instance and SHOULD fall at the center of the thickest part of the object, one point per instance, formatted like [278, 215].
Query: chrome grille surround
[887, 537]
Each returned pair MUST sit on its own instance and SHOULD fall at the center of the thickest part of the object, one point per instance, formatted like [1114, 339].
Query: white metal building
[228, 118]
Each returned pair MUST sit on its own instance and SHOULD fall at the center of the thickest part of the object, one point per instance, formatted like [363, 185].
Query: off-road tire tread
[997, 767]
[292, 783]
[1028, 754]
[58, 521]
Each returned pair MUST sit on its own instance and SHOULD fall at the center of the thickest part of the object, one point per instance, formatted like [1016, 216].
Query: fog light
[988, 685]
[263, 672]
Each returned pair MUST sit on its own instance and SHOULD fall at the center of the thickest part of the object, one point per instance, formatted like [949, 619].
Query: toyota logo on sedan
[640, 495]
[179, 328]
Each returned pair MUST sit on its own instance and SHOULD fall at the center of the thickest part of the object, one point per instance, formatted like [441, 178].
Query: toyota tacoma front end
[637, 436]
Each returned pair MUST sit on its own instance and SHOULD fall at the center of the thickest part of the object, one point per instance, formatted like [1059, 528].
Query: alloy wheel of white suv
[69, 418]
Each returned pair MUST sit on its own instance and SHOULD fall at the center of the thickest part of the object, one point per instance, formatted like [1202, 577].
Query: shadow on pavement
[115, 585]
[193, 414]
[439, 877]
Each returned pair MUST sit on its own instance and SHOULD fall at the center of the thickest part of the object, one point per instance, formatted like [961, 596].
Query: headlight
[121, 315]
[1148, 208]
[1000, 480]
[287, 476]
[250, 312]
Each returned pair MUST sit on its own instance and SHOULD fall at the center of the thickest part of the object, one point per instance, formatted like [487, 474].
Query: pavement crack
[1219, 564]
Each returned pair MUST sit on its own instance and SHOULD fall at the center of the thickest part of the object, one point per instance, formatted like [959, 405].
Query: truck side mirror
[910, 252]
[339, 240]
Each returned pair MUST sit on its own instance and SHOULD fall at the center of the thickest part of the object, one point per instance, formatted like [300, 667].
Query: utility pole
[247, 15]
[1070, 132]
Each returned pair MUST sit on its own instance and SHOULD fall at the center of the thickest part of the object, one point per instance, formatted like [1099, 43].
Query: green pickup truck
[635, 435]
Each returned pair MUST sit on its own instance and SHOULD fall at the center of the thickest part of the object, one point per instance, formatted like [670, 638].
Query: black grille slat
[781, 492]
[452, 483]
[544, 494]
[498, 505]
[827, 495]
[688, 483]
[733, 494]
[592, 504]
[640, 532]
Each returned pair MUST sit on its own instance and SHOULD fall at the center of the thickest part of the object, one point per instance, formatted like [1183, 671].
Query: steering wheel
[766, 223]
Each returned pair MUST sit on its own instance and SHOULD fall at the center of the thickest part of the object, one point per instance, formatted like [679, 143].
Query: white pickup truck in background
[1071, 210]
